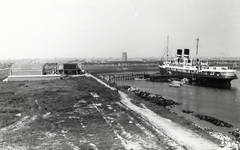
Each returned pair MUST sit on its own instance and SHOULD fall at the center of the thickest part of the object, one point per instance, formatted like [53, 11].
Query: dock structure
[112, 77]
[160, 77]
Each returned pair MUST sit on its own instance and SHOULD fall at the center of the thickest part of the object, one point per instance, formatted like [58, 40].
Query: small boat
[174, 85]
[185, 80]
[177, 82]
[139, 79]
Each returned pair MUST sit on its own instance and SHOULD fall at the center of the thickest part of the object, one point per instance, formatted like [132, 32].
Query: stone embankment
[210, 119]
[154, 98]
[235, 132]
[213, 120]
[226, 141]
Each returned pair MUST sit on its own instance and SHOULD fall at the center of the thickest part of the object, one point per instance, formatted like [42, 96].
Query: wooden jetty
[112, 77]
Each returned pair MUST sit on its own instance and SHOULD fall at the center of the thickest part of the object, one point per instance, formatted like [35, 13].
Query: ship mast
[167, 47]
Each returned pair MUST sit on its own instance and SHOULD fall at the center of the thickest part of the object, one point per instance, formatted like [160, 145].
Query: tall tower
[124, 56]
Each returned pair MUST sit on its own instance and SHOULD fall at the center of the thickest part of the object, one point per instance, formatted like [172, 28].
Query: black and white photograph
[119, 74]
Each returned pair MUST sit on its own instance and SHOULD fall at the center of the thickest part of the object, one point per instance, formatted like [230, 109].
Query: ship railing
[218, 70]
[228, 74]
[218, 73]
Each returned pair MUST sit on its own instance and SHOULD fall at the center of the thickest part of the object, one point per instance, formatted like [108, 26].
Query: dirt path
[181, 135]
[186, 139]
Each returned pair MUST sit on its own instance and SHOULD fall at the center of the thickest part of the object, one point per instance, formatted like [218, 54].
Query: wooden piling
[112, 77]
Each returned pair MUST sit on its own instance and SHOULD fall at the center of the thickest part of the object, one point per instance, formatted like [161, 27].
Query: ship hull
[202, 79]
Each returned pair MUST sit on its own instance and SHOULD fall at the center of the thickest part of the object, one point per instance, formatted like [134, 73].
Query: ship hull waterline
[201, 79]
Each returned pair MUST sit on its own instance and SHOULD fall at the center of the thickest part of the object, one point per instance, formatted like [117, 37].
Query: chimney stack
[186, 53]
[179, 53]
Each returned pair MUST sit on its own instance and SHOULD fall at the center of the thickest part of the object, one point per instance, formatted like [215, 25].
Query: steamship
[197, 71]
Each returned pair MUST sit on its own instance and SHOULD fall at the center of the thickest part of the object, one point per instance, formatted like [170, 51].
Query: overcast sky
[106, 28]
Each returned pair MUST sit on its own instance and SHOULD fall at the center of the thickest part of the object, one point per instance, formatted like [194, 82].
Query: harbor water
[223, 104]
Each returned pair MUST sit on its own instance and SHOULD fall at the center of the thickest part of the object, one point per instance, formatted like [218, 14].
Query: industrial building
[124, 56]
[69, 69]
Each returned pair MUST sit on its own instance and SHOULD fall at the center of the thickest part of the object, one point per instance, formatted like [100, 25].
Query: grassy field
[77, 113]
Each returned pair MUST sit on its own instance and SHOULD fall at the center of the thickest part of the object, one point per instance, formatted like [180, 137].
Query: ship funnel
[179, 53]
[186, 53]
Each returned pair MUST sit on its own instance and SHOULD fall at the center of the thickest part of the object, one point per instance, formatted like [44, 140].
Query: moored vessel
[174, 85]
[140, 79]
[197, 71]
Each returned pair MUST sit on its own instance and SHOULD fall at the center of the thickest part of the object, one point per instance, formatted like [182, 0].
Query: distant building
[50, 68]
[69, 69]
[29, 68]
[124, 56]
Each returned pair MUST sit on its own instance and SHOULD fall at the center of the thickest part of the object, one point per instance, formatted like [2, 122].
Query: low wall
[33, 77]
[26, 72]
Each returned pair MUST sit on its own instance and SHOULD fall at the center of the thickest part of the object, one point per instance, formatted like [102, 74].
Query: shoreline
[203, 123]
[221, 133]
[190, 117]
[196, 120]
